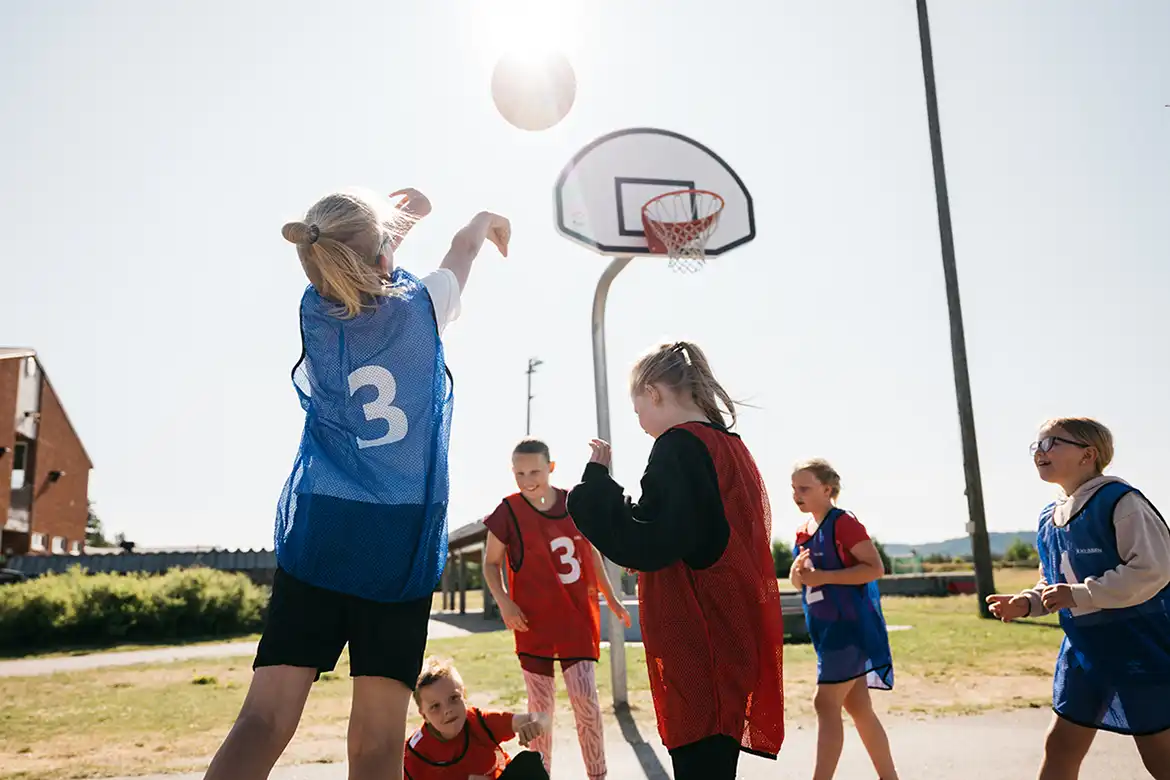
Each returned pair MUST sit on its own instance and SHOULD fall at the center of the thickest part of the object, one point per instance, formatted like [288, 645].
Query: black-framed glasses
[1048, 442]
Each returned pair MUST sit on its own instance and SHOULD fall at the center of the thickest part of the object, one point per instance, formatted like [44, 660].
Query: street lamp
[532, 364]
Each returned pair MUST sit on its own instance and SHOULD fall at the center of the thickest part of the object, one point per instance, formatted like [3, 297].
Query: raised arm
[412, 207]
[466, 244]
[679, 511]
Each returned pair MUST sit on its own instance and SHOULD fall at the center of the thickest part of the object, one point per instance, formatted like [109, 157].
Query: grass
[172, 717]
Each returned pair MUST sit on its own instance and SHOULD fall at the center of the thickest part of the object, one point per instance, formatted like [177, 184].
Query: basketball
[534, 92]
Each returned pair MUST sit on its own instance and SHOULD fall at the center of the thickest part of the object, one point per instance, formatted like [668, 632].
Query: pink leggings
[582, 687]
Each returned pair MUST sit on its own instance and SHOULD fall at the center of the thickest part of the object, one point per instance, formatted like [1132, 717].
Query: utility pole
[977, 526]
[532, 364]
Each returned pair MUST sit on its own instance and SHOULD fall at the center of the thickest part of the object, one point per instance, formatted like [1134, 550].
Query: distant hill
[1000, 541]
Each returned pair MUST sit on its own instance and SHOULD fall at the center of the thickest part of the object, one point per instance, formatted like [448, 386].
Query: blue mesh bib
[845, 622]
[364, 510]
[1113, 669]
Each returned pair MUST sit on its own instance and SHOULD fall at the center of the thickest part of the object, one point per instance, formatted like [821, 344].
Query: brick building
[46, 507]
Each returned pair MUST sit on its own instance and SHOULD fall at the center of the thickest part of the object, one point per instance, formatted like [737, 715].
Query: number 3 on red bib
[564, 546]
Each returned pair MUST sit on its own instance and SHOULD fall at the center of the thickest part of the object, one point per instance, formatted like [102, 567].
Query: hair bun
[299, 233]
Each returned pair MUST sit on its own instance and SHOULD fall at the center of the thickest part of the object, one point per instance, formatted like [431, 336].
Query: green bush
[781, 559]
[76, 608]
[1020, 552]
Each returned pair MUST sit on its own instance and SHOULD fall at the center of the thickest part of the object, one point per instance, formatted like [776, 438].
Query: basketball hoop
[678, 224]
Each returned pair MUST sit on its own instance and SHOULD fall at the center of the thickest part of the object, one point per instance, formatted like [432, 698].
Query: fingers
[601, 452]
[500, 238]
[1053, 597]
[412, 201]
[499, 232]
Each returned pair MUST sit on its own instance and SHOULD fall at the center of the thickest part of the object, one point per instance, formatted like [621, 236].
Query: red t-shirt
[476, 751]
[499, 522]
[849, 532]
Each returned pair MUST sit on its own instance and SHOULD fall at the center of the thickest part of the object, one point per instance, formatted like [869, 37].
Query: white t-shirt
[444, 291]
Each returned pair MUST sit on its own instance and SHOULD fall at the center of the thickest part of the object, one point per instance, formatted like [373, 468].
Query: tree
[882, 554]
[1020, 551]
[781, 558]
[94, 532]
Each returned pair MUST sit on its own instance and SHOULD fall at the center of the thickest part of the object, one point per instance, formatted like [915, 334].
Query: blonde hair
[683, 368]
[825, 474]
[1088, 431]
[435, 669]
[339, 242]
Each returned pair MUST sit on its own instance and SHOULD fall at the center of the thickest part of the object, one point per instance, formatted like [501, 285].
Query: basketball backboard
[600, 193]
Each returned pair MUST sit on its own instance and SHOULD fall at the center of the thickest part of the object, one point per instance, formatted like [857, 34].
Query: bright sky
[149, 156]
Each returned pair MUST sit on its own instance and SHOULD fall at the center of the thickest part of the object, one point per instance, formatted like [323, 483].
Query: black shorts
[711, 758]
[309, 626]
[526, 765]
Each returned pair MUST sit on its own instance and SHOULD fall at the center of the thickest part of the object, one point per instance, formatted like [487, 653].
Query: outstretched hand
[1009, 607]
[1058, 596]
[413, 202]
[600, 452]
[499, 231]
[538, 723]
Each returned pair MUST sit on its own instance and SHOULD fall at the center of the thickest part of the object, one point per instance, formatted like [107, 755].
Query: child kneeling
[457, 742]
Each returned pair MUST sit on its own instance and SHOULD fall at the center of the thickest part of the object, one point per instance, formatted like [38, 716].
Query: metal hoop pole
[617, 631]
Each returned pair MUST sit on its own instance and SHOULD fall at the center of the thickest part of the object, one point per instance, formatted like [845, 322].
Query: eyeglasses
[1048, 442]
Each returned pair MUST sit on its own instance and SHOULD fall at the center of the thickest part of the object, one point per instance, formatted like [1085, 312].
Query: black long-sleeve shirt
[680, 516]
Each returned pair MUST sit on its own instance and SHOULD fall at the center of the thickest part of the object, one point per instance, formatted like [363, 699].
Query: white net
[679, 224]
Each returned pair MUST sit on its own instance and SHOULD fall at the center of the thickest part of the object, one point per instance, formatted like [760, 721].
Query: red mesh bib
[714, 638]
[555, 585]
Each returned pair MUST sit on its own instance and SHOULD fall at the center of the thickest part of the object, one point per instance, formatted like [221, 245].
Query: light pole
[977, 526]
[532, 364]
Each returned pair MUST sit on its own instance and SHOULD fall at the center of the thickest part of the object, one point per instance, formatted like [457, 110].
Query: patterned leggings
[582, 687]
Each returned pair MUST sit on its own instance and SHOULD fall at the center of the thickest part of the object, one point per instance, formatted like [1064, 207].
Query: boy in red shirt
[457, 742]
[551, 598]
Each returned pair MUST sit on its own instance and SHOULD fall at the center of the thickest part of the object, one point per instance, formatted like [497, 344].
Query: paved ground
[999, 747]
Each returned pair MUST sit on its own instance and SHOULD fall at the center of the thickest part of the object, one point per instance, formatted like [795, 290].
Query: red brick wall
[59, 508]
[9, 378]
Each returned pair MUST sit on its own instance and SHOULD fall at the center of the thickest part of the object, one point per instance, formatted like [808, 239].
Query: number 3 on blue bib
[380, 408]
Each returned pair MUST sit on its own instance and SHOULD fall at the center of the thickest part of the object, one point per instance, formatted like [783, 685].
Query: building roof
[17, 352]
[468, 535]
[25, 352]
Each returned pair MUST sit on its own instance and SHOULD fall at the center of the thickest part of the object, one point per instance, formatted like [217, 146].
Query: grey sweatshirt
[1143, 542]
